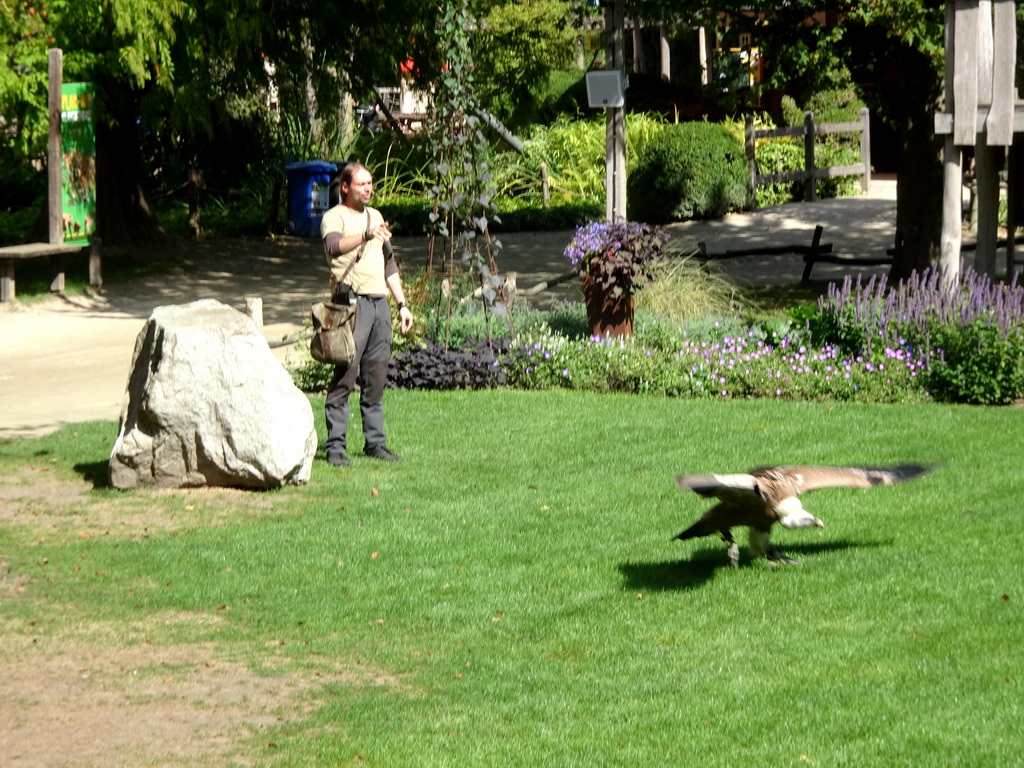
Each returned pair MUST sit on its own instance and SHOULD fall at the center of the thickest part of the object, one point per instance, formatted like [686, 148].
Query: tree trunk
[195, 184]
[919, 168]
[124, 215]
[918, 199]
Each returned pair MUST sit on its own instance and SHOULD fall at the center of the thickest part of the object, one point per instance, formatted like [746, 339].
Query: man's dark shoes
[337, 460]
[382, 453]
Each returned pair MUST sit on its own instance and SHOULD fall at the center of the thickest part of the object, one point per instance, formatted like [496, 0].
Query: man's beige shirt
[367, 276]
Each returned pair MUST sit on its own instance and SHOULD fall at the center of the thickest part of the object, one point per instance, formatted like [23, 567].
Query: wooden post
[95, 264]
[811, 256]
[639, 57]
[865, 149]
[545, 185]
[666, 54]
[965, 72]
[54, 152]
[703, 57]
[952, 175]
[615, 119]
[984, 155]
[750, 146]
[1012, 183]
[54, 161]
[952, 211]
[254, 309]
[999, 122]
[987, 175]
[809, 191]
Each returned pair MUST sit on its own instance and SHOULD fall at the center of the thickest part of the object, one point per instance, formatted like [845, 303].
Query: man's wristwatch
[367, 236]
[401, 306]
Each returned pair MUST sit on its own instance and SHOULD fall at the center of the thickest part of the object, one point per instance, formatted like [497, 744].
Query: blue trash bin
[309, 185]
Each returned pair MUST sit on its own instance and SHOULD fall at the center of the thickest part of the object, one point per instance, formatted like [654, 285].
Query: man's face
[360, 190]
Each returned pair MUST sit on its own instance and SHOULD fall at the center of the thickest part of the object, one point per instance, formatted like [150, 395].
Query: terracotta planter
[607, 315]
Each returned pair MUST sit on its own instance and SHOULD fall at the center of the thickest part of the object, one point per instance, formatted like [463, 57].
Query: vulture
[767, 495]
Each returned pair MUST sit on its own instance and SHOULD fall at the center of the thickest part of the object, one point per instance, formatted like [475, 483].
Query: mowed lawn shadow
[701, 566]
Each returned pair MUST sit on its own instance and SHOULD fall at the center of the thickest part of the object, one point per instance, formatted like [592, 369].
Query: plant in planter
[614, 259]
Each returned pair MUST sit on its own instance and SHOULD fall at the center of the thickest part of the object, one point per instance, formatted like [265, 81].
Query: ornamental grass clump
[969, 335]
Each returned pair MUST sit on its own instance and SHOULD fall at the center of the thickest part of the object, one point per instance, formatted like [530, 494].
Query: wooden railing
[809, 174]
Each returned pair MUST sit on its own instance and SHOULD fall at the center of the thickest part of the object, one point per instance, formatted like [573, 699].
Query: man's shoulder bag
[332, 341]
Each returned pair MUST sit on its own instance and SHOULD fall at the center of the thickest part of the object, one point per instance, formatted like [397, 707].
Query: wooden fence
[809, 174]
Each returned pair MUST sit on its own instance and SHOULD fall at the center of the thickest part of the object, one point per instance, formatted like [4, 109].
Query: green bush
[829, 155]
[409, 216]
[980, 364]
[782, 155]
[694, 170]
[15, 225]
[523, 216]
[830, 106]
[840, 105]
[406, 215]
[966, 341]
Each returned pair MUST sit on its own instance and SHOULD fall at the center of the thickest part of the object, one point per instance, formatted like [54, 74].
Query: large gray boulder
[209, 404]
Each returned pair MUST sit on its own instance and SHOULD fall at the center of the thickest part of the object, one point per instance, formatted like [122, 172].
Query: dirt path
[67, 359]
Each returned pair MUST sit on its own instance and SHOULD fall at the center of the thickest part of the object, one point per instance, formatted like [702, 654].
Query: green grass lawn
[510, 593]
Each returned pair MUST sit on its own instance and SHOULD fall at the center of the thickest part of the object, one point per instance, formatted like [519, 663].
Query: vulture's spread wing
[804, 479]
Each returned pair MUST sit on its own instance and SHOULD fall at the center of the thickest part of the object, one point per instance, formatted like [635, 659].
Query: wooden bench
[11, 253]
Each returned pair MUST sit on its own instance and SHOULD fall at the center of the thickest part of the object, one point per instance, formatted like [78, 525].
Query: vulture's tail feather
[695, 531]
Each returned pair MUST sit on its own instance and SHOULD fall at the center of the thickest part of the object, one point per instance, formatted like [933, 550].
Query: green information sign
[78, 174]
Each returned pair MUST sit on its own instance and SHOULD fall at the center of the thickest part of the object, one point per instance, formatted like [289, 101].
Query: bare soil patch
[83, 693]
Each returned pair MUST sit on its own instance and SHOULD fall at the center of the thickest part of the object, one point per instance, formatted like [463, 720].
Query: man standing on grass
[362, 271]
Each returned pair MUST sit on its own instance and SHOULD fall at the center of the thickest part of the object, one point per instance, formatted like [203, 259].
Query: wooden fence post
[54, 151]
[865, 149]
[749, 145]
[95, 264]
[54, 163]
[809, 191]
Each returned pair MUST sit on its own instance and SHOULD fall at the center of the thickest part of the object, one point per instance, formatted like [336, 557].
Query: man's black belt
[346, 296]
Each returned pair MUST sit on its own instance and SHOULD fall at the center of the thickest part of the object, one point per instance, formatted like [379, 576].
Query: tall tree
[896, 45]
[516, 46]
[173, 75]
